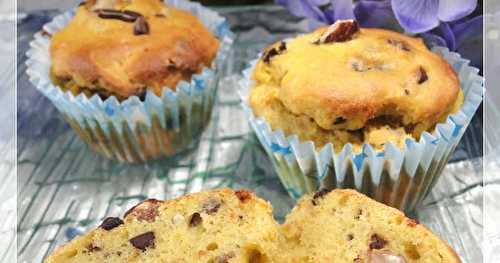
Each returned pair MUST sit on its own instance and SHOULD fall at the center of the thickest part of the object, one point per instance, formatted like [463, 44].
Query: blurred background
[29, 5]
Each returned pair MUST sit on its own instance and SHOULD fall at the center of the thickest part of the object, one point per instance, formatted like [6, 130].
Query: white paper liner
[135, 130]
[398, 177]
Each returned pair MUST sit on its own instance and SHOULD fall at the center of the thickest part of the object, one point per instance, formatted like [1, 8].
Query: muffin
[217, 226]
[236, 226]
[361, 108]
[367, 86]
[136, 79]
[345, 226]
[123, 48]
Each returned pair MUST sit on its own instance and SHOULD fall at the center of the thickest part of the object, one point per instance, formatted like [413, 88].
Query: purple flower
[439, 22]
[376, 13]
[417, 16]
[320, 12]
[413, 16]
[463, 36]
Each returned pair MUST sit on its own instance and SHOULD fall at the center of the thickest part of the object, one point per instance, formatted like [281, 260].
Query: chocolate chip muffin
[345, 226]
[126, 47]
[344, 84]
[236, 226]
[217, 226]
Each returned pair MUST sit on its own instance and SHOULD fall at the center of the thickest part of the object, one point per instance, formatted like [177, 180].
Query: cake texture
[344, 84]
[222, 226]
[126, 47]
[216, 227]
[346, 226]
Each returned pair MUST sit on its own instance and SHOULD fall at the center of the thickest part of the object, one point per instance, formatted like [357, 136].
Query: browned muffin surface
[123, 47]
[344, 84]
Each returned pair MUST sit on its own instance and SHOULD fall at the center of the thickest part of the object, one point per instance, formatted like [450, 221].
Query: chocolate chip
[145, 211]
[318, 195]
[143, 241]
[341, 31]
[243, 195]
[116, 14]
[399, 44]
[360, 212]
[407, 92]
[266, 57]
[321, 193]
[160, 15]
[282, 46]
[45, 33]
[195, 220]
[350, 237]
[93, 248]
[377, 242]
[224, 258]
[339, 120]
[421, 75]
[141, 26]
[110, 223]
[269, 54]
[211, 206]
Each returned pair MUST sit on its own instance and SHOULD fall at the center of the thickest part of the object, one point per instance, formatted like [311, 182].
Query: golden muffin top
[123, 47]
[345, 78]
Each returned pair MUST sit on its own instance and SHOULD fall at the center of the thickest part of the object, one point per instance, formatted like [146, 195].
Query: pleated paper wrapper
[398, 177]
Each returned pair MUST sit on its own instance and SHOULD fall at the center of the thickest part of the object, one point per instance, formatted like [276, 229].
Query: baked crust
[110, 57]
[374, 80]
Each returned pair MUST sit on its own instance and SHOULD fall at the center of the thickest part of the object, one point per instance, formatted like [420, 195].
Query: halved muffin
[346, 226]
[219, 226]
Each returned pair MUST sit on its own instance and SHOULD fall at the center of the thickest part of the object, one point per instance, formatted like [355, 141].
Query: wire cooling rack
[65, 189]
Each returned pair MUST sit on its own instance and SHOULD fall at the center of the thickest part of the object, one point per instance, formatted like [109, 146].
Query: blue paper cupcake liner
[135, 130]
[398, 177]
